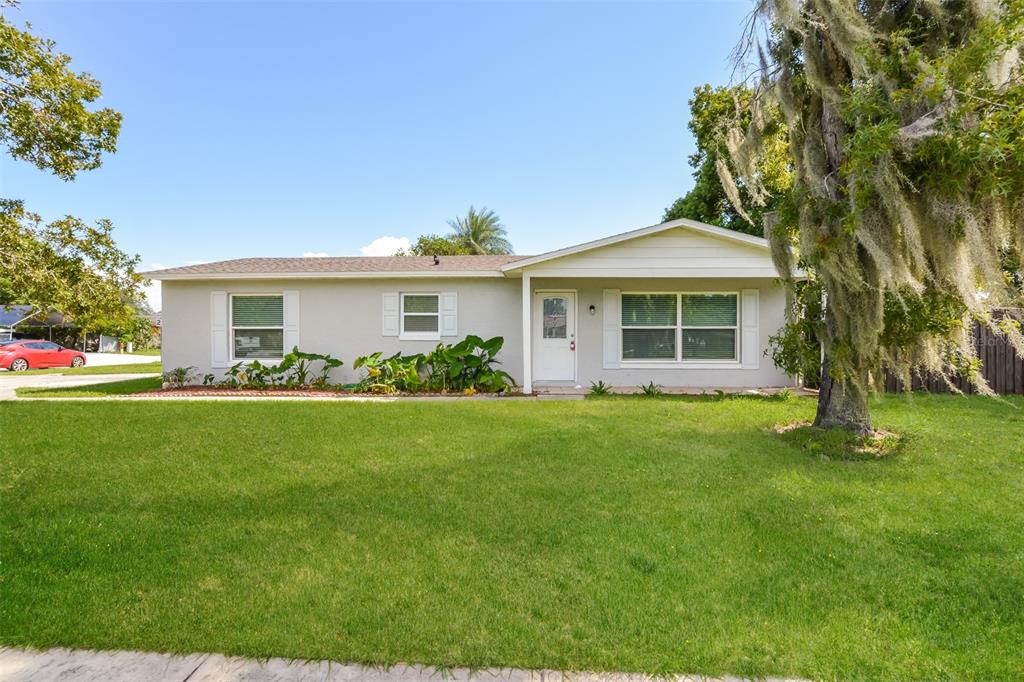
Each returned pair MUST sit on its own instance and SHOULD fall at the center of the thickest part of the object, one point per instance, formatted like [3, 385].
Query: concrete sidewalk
[68, 665]
[107, 359]
[12, 380]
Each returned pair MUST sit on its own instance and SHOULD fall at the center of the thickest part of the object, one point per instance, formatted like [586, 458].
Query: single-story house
[683, 304]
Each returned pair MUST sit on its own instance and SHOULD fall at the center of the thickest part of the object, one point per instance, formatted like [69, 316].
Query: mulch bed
[219, 391]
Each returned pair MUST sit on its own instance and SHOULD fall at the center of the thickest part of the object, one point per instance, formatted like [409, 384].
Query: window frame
[232, 327]
[679, 361]
[623, 327]
[418, 336]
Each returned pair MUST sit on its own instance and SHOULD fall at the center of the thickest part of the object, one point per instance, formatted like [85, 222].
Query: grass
[141, 368]
[100, 390]
[649, 534]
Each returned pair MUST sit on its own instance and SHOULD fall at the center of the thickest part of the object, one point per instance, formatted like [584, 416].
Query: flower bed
[220, 391]
[463, 369]
[305, 392]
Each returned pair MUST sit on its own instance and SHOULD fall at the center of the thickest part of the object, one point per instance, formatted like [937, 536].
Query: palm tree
[481, 232]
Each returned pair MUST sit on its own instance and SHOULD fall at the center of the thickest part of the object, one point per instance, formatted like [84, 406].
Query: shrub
[600, 388]
[390, 375]
[652, 390]
[247, 375]
[294, 371]
[179, 377]
[469, 365]
[297, 367]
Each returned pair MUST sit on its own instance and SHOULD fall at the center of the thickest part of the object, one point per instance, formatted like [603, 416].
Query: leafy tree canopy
[8, 295]
[480, 232]
[68, 266]
[712, 109]
[905, 134]
[45, 117]
[436, 245]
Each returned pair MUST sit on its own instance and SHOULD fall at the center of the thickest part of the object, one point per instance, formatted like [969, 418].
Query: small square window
[421, 316]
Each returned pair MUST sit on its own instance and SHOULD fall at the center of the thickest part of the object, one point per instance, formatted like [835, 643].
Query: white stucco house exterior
[683, 304]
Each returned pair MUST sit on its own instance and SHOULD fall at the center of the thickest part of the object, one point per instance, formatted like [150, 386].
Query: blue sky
[278, 129]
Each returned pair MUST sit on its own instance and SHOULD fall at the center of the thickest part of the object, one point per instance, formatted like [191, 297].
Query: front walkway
[564, 391]
[12, 380]
[68, 665]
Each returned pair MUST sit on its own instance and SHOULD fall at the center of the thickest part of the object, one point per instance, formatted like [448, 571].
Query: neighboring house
[682, 304]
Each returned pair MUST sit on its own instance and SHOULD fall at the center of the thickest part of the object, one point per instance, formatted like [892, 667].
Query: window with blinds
[709, 327]
[649, 326]
[680, 326]
[421, 314]
[257, 325]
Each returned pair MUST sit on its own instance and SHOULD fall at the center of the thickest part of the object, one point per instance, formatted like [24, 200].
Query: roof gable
[679, 248]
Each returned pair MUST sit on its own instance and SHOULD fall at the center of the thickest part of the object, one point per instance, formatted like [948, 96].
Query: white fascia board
[731, 235]
[647, 273]
[324, 275]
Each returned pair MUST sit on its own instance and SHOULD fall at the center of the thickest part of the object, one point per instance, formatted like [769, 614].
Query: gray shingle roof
[341, 266]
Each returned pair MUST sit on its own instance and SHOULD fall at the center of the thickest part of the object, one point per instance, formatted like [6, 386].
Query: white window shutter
[612, 323]
[291, 320]
[219, 329]
[390, 314]
[750, 350]
[449, 313]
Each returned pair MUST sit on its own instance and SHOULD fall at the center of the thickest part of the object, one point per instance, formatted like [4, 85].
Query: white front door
[554, 336]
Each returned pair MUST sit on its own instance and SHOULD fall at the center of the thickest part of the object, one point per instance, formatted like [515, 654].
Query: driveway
[12, 380]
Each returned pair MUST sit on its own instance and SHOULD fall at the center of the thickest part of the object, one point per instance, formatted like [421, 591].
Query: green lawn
[100, 390]
[645, 535]
[141, 368]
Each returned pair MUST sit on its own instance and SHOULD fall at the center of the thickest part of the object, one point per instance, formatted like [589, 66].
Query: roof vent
[437, 259]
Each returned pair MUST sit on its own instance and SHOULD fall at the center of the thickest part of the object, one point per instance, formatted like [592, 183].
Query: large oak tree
[906, 133]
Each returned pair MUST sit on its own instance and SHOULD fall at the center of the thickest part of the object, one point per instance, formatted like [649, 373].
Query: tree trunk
[841, 403]
[841, 406]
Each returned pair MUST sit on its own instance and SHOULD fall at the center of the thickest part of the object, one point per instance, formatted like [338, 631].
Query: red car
[24, 354]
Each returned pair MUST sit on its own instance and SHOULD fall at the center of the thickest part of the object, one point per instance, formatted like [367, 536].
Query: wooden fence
[1001, 366]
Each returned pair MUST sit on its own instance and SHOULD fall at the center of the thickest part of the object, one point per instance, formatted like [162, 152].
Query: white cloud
[386, 246]
[314, 254]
